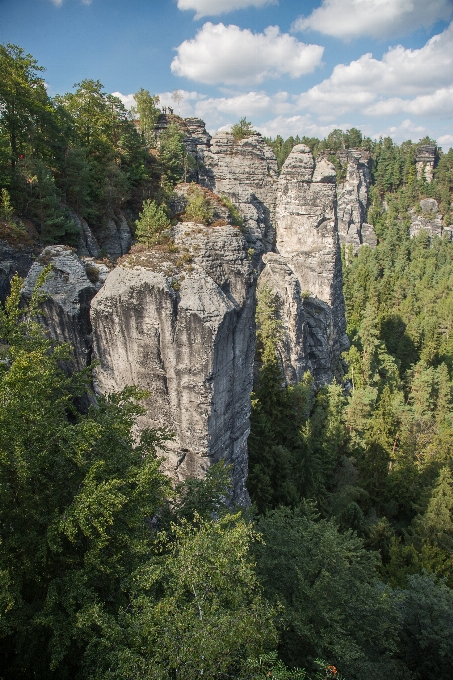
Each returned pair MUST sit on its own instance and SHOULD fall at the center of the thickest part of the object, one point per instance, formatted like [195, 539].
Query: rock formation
[429, 220]
[307, 238]
[425, 159]
[66, 309]
[246, 172]
[14, 260]
[181, 325]
[352, 199]
[196, 140]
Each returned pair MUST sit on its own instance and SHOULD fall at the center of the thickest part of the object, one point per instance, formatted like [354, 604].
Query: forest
[343, 565]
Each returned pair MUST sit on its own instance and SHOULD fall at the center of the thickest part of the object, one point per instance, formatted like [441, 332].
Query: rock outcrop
[196, 140]
[66, 309]
[352, 199]
[246, 172]
[114, 238]
[87, 245]
[429, 220]
[14, 260]
[425, 160]
[181, 325]
[307, 239]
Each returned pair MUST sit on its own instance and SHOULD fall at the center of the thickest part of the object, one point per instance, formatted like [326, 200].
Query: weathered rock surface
[14, 260]
[114, 238]
[196, 139]
[307, 238]
[425, 160]
[185, 332]
[352, 199]
[246, 171]
[305, 345]
[67, 306]
[87, 246]
[429, 220]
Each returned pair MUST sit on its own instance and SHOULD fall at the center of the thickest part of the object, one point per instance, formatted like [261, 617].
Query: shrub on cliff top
[242, 129]
[152, 222]
[198, 209]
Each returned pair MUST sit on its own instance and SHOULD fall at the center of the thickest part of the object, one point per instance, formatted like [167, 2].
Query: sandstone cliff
[352, 199]
[307, 239]
[429, 219]
[425, 160]
[246, 172]
[69, 291]
[182, 326]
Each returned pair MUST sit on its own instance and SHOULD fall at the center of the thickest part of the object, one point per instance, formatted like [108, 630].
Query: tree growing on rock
[153, 220]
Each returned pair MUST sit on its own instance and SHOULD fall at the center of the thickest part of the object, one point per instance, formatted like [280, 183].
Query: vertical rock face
[246, 171]
[352, 199]
[13, 260]
[115, 237]
[67, 306]
[429, 220]
[307, 239]
[185, 332]
[425, 159]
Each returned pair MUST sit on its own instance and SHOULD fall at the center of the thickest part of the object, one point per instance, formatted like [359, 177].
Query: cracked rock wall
[185, 333]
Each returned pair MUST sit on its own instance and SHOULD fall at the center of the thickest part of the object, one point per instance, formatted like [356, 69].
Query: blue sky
[290, 66]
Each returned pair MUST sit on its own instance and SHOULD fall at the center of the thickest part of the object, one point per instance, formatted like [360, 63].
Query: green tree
[333, 603]
[153, 220]
[242, 129]
[146, 108]
[198, 208]
[172, 153]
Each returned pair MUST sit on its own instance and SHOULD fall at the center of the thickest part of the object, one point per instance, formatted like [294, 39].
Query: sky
[289, 66]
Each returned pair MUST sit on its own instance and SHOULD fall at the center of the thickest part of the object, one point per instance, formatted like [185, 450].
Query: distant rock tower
[425, 158]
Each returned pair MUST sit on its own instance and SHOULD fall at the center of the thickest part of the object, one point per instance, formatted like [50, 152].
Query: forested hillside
[343, 566]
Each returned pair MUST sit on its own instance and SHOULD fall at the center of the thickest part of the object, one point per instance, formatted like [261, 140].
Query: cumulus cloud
[204, 8]
[375, 18]
[440, 103]
[235, 56]
[445, 141]
[422, 73]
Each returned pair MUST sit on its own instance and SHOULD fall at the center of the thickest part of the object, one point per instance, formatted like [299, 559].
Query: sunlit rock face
[182, 326]
[307, 239]
[246, 172]
[352, 199]
[425, 160]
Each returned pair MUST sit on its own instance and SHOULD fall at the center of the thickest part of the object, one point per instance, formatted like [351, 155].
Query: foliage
[88, 588]
[327, 583]
[146, 108]
[172, 153]
[242, 129]
[234, 211]
[6, 209]
[199, 208]
[153, 220]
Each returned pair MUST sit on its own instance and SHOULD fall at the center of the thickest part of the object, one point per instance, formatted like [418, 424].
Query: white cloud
[57, 3]
[376, 18]
[445, 141]
[235, 56]
[440, 103]
[211, 8]
[425, 73]
[287, 126]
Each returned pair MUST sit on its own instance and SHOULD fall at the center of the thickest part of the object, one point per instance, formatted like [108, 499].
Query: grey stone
[87, 246]
[185, 332]
[425, 160]
[115, 237]
[307, 238]
[67, 305]
[14, 260]
[246, 172]
[352, 199]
